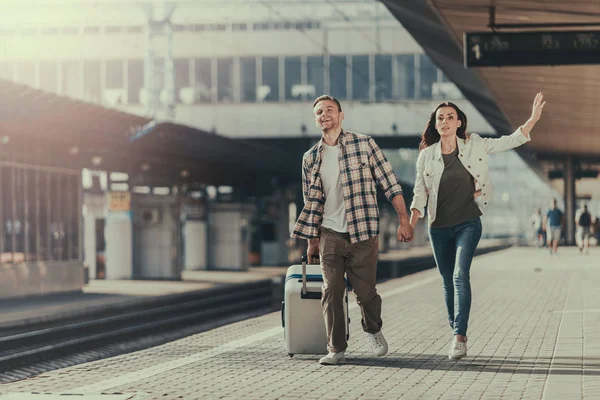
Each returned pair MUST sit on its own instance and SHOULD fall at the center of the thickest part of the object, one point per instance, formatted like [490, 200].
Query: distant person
[340, 220]
[596, 230]
[583, 222]
[452, 170]
[553, 223]
[537, 220]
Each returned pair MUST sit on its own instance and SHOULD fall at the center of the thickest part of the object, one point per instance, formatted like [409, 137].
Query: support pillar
[569, 193]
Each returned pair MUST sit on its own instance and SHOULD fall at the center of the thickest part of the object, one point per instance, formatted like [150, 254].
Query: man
[340, 220]
[583, 221]
[553, 223]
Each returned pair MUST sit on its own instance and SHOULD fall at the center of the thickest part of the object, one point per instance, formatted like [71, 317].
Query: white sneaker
[458, 350]
[377, 343]
[333, 359]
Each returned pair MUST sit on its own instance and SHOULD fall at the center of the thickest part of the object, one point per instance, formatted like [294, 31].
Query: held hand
[405, 232]
[477, 193]
[313, 253]
[538, 107]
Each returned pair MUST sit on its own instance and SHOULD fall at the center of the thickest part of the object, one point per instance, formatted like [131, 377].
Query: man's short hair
[327, 97]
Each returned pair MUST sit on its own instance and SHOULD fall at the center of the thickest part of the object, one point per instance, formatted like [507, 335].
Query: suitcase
[302, 313]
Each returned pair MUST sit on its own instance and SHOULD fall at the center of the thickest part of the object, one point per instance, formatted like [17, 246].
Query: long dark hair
[430, 134]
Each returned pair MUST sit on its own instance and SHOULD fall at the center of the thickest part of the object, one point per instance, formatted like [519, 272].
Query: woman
[452, 170]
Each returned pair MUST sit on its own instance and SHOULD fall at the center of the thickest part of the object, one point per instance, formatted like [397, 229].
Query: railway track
[68, 342]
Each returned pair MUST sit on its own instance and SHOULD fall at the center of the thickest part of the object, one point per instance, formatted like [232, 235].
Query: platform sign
[489, 49]
[119, 201]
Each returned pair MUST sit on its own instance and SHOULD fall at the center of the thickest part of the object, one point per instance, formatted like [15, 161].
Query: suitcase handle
[304, 261]
[311, 295]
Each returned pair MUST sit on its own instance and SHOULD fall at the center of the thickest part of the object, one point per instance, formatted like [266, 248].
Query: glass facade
[365, 78]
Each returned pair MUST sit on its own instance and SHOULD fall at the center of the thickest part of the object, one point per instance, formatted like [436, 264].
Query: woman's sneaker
[458, 350]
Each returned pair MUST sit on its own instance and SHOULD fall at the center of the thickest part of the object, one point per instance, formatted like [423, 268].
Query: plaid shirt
[362, 164]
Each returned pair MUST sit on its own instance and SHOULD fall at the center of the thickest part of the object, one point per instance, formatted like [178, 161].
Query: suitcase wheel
[291, 355]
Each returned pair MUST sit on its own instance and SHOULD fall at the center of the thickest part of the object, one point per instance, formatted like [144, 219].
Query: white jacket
[473, 153]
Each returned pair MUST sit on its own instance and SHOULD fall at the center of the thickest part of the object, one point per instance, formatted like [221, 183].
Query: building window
[405, 77]
[203, 79]
[50, 31]
[7, 32]
[135, 29]
[293, 78]
[182, 78]
[338, 69]
[360, 78]
[49, 76]
[225, 80]
[113, 29]
[428, 75]
[114, 74]
[91, 30]
[92, 81]
[70, 30]
[248, 78]
[70, 79]
[29, 31]
[26, 73]
[6, 70]
[260, 26]
[135, 80]
[217, 27]
[197, 27]
[383, 78]
[269, 90]
[315, 76]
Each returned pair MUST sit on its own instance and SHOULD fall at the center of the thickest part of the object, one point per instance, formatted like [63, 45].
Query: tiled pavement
[534, 333]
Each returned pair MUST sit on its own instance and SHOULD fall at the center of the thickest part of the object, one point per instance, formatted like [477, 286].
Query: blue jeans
[453, 249]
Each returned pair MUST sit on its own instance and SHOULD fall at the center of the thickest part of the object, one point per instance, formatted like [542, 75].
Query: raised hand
[538, 107]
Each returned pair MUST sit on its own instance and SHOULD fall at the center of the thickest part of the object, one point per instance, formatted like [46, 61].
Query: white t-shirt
[334, 215]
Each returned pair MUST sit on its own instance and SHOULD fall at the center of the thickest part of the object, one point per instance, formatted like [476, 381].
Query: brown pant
[359, 262]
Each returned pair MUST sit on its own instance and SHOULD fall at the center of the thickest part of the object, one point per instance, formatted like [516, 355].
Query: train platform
[534, 334]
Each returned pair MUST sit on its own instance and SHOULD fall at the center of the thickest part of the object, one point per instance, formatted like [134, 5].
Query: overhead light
[119, 187]
[185, 173]
[5, 139]
[73, 150]
[161, 191]
[96, 160]
[141, 189]
[119, 176]
[145, 167]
